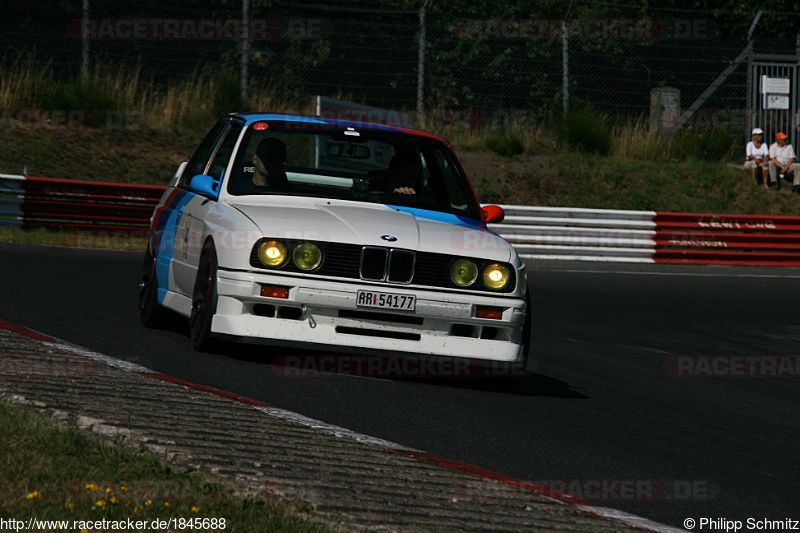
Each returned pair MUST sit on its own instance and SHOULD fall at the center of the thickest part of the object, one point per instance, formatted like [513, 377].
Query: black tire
[151, 315]
[204, 301]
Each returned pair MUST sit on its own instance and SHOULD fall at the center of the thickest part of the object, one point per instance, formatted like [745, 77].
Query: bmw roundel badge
[389, 238]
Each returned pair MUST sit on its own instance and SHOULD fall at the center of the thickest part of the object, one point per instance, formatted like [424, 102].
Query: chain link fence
[488, 60]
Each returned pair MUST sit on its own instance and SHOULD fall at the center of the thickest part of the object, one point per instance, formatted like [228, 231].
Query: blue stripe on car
[447, 218]
[165, 231]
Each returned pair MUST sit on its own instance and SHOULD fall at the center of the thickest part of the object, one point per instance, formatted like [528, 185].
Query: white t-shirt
[759, 153]
[781, 154]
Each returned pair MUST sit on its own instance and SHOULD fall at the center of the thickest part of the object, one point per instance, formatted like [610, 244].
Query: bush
[85, 93]
[692, 145]
[227, 93]
[506, 143]
[585, 130]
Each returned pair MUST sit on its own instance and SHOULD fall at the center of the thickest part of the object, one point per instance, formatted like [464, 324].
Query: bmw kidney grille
[384, 264]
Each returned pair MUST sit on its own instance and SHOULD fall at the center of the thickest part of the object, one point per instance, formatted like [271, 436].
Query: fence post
[752, 90]
[85, 39]
[565, 60]
[245, 49]
[421, 62]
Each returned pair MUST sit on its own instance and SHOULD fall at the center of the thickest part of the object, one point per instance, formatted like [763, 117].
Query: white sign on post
[775, 85]
[776, 101]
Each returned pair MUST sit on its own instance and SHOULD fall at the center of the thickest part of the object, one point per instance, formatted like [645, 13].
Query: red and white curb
[466, 468]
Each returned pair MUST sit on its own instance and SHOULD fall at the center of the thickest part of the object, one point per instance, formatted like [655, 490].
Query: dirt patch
[124, 156]
[498, 179]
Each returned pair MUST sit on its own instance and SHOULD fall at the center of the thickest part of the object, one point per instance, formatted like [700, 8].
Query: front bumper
[324, 312]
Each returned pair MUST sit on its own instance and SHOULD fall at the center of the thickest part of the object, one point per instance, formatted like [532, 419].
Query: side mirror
[205, 185]
[493, 213]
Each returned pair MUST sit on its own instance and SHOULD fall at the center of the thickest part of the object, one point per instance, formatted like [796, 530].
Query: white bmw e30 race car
[306, 231]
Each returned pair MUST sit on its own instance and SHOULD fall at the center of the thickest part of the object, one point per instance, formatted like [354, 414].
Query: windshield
[320, 160]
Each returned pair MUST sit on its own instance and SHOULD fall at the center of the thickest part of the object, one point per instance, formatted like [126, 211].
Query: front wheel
[204, 300]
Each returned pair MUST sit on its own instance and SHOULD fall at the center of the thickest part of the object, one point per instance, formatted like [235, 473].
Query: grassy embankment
[587, 160]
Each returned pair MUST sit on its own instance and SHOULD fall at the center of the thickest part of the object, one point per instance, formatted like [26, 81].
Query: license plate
[385, 300]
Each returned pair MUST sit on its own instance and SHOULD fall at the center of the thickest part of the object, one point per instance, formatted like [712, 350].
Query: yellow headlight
[463, 272]
[307, 256]
[495, 276]
[272, 253]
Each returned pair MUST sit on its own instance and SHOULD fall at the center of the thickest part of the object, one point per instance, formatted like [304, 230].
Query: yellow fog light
[495, 276]
[463, 272]
[307, 256]
[272, 253]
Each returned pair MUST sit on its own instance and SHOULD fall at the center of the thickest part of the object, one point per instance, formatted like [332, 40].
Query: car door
[167, 228]
[190, 235]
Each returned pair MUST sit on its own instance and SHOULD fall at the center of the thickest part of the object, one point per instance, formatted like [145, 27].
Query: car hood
[372, 224]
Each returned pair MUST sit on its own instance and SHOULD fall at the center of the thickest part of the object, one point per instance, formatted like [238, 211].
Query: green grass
[54, 473]
[506, 143]
[613, 182]
[118, 95]
[583, 130]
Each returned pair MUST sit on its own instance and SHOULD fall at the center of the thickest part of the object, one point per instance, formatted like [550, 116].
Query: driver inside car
[403, 173]
[269, 172]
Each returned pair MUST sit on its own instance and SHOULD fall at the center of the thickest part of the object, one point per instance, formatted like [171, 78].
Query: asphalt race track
[603, 414]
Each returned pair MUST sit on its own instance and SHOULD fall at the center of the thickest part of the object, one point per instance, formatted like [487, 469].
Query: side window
[197, 164]
[443, 180]
[223, 155]
[455, 191]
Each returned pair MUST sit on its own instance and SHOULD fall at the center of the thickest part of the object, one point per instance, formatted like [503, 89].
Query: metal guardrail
[31, 202]
[579, 234]
[651, 236]
[728, 239]
[535, 232]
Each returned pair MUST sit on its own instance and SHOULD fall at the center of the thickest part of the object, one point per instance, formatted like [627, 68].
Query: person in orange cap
[781, 162]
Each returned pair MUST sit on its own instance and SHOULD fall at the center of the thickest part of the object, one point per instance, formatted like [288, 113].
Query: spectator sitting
[403, 173]
[757, 157]
[781, 160]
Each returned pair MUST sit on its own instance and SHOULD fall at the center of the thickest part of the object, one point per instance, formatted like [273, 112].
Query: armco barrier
[579, 234]
[727, 239]
[535, 232]
[29, 202]
[651, 237]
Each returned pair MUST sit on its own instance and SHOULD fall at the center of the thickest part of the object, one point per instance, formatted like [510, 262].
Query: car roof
[251, 118]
